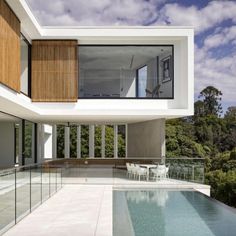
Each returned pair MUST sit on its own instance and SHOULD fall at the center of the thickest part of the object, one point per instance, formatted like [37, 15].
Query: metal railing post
[56, 179]
[15, 197]
[41, 170]
[30, 189]
[49, 181]
[61, 176]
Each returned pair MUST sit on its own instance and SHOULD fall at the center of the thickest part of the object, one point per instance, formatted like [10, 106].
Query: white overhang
[112, 110]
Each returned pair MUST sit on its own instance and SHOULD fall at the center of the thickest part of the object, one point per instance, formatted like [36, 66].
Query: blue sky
[214, 23]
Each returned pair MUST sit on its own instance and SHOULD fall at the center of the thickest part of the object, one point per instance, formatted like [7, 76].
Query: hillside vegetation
[208, 135]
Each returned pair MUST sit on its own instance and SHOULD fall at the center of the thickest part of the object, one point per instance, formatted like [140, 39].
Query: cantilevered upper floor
[93, 73]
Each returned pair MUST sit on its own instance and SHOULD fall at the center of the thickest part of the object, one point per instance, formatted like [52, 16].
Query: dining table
[148, 167]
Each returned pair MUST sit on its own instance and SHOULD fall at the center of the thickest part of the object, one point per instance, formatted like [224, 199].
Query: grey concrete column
[116, 141]
[91, 141]
[54, 141]
[126, 140]
[103, 141]
[67, 142]
[79, 141]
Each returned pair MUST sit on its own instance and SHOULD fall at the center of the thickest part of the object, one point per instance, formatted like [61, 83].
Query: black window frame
[134, 45]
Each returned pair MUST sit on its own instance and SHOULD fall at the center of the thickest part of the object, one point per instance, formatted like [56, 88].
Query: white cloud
[95, 12]
[220, 73]
[222, 37]
[202, 19]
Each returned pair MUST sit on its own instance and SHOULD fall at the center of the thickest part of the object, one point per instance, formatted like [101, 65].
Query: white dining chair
[159, 172]
[167, 171]
[141, 172]
[129, 170]
[133, 170]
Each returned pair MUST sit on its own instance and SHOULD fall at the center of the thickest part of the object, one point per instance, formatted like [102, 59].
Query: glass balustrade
[24, 188]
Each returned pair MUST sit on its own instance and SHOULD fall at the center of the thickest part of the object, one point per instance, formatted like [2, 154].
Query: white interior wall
[151, 74]
[128, 83]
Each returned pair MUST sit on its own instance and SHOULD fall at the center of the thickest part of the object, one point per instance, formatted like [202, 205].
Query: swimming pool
[171, 213]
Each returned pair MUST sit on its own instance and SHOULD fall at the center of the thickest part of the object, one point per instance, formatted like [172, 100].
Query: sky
[214, 23]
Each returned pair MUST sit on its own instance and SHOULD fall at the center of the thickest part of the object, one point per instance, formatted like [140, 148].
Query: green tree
[73, 141]
[60, 141]
[199, 108]
[230, 114]
[212, 101]
[109, 141]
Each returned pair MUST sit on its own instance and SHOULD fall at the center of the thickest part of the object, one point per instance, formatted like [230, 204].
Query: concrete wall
[147, 139]
[7, 144]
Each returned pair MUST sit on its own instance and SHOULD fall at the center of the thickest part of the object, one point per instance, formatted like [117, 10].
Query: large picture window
[125, 71]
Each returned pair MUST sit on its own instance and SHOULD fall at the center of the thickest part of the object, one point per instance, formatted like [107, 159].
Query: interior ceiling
[118, 57]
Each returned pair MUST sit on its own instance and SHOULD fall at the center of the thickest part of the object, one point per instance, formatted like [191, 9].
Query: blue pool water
[170, 213]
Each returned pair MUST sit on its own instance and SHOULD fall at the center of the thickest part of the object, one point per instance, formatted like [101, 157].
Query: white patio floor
[85, 209]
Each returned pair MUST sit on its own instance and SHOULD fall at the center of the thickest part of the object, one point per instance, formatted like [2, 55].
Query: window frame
[134, 45]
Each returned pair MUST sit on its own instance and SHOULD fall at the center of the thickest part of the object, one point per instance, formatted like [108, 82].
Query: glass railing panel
[53, 180]
[24, 188]
[45, 183]
[188, 169]
[87, 175]
[36, 186]
[59, 178]
[7, 199]
[23, 192]
[114, 170]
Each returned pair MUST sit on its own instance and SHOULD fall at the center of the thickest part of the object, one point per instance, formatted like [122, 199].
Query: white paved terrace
[85, 207]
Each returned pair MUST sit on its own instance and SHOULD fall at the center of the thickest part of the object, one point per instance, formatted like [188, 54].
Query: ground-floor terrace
[100, 178]
[68, 198]
[66, 173]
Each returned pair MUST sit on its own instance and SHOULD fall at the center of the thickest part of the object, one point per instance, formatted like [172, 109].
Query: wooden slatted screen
[54, 71]
[9, 47]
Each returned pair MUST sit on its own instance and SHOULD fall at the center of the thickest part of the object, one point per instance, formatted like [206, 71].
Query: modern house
[83, 111]
[128, 78]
